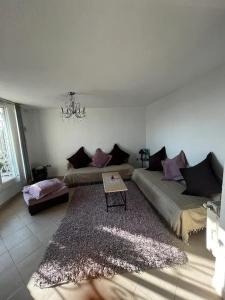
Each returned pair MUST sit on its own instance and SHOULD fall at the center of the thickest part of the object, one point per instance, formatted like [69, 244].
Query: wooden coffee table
[113, 183]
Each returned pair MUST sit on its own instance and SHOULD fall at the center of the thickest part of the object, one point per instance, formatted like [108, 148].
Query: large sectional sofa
[185, 214]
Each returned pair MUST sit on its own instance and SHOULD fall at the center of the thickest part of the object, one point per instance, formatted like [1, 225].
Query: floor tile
[30, 264]
[25, 248]
[195, 280]
[10, 226]
[111, 289]
[45, 235]
[190, 281]
[58, 221]
[25, 218]
[154, 283]
[57, 214]
[10, 281]
[14, 239]
[121, 281]
[5, 262]
[43, 294]
[16, 204]
[2, 247]
[194, 294]
[21, 294]
[39, 226]
[6, 214]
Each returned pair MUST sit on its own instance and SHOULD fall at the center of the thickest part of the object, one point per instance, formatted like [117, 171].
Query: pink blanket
[41, 189]
[32, 201]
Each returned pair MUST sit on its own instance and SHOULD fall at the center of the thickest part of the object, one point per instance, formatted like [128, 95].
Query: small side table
[143, 161]
[40, 173]
[144, 153]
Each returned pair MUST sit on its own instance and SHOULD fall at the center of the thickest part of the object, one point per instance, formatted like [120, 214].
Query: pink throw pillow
[100, 159]
[171, 167]
[40, 189]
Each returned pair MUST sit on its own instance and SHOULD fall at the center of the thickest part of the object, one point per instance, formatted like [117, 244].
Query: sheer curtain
[14, 162]
[8, 157]
[27, 168]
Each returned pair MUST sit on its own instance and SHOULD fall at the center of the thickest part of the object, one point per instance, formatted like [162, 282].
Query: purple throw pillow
[171, 167]
[100, 159]
[40, 189]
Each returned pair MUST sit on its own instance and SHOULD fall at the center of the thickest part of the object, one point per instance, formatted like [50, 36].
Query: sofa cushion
[118, 156]
[171, 167]
[183, 213]
[155, 160]
[170, 189]
[80, 159]
[92, 174]
[201, 180]
[100, 159]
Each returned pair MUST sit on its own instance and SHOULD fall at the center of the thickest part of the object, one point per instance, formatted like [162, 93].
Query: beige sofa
[92, 174]
[185, 214]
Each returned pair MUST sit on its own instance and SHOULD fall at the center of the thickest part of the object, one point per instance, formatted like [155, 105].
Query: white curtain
[10, 148]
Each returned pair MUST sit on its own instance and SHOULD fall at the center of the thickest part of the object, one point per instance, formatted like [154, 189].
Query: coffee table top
[113, 182]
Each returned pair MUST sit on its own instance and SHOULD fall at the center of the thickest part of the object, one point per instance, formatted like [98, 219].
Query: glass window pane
[7, 157]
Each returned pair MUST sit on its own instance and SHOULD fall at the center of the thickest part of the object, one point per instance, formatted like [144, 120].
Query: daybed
[185, 214]
[92, 174]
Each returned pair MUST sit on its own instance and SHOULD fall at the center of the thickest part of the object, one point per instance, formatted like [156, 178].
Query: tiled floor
[23, 240]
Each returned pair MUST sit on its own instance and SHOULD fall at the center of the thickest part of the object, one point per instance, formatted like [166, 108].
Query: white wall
[51, 140]
[34, 139]
[192, 119]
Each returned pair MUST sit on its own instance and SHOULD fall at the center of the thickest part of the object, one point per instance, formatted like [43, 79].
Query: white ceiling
[113, 52]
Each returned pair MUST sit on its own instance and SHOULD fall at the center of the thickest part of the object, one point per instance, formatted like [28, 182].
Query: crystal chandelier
[72, 108]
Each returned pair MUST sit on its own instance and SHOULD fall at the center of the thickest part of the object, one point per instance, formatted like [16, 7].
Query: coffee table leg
[106, 200]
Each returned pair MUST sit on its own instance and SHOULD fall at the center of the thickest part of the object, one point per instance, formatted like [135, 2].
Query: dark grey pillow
[201, 179]
[80, 159]
[118, 156]
[155, 160]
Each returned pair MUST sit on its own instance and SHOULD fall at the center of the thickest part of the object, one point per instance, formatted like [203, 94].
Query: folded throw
[40, 189]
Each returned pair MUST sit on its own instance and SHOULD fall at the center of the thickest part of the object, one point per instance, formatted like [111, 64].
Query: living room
[112, 149]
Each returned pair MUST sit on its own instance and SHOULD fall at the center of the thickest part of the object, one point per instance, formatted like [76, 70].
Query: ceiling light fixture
[72, 107]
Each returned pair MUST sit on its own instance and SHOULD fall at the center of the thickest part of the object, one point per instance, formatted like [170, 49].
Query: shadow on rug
[92, 243]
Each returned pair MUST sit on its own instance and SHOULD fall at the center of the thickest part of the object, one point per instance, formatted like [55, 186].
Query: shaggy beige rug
[92, 243]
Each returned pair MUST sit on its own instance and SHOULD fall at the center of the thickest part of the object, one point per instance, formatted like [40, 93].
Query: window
[7, 154]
